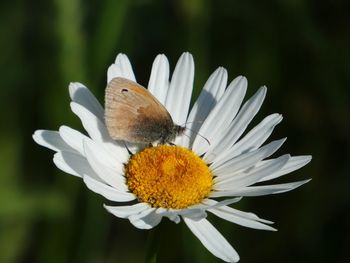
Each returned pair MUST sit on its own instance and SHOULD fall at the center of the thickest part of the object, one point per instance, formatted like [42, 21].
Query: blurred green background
[299, 49]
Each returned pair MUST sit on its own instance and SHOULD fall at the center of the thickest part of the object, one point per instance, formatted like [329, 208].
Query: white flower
[232, 162]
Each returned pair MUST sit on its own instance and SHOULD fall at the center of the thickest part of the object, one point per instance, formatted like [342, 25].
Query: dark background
[299, 49]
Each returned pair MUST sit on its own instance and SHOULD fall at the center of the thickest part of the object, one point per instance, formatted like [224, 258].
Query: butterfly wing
[133, 114]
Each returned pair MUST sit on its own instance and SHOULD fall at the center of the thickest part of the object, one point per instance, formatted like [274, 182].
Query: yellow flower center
[168, 176]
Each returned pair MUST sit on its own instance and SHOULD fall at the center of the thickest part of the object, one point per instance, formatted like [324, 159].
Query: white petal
[222, 114]
[140, 215]
[237, 126]
[159, 80]
[83, 96]
[51, 140]
[107, 191]
[104, 157]
[251, 141]
[106, 168]
[258, 135]
[294, 163]
[98, 132]
[240, 218]
[209, 203]
[169, 214]
[245, 161]
[121, 68]
[252, 176]
[195, 214]
[211, 93]
[147, 219]
[215, 204]
[127, 210]
[74, 164]
[261, 190]
[212, 239]
[73, 138]
[94, 126]
[179, 95]
[230, 215]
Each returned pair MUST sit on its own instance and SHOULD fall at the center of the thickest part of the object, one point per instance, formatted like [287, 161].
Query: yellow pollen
[168, 176]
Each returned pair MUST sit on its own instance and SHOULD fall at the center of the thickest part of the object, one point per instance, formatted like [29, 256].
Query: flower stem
[152, 245]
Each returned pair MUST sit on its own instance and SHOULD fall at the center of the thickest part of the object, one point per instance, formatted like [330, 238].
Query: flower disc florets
[169, 177]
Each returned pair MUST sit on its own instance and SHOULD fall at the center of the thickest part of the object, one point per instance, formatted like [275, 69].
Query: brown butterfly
[133, 114]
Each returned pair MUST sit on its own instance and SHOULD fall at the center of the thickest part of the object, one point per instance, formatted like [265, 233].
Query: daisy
[190, 178]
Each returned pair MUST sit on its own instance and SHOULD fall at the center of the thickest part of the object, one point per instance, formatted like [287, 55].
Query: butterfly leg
[127, 148]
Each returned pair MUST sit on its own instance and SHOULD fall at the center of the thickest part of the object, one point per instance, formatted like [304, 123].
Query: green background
[299, 49]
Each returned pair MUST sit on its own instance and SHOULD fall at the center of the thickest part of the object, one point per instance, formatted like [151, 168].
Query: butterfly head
[171, 134]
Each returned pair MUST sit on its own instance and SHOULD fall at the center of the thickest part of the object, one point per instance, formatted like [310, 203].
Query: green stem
[152, 245]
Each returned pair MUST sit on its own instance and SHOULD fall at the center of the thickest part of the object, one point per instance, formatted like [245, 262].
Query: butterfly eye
[124, 90]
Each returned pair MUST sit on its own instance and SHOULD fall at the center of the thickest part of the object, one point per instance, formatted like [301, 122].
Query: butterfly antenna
[187, 136]
[191, 122]
[200, 135]
[184, 125]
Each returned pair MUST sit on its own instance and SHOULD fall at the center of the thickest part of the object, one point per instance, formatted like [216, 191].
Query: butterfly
[134, 115]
